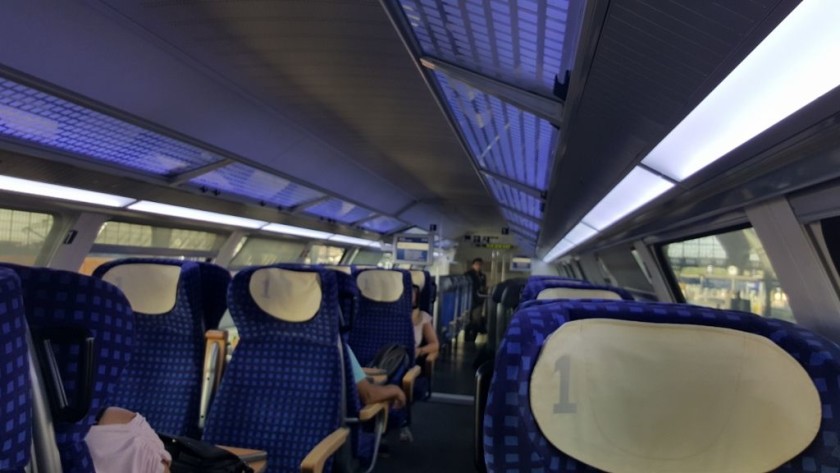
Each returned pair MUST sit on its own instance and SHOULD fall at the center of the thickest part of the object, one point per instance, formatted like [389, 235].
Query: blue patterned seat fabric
[424, 300]
[382, 323]
[282, 391]
[163, 379]
[15, 392]
[55, 298]
[214, 283]
[348, 300]
[514, 443]
[536, 285]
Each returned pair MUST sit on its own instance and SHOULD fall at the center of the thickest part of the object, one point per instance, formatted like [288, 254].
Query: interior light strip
[43, 189]
[636, 189]
[793, 66]
[296, 231]
[195, 214]
[353, 240]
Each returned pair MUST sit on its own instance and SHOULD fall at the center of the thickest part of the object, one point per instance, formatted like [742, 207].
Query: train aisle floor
[442, 441]
[454, 373]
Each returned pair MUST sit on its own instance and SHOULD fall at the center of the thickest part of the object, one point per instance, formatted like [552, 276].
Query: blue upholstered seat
[282, 391]
[514, 442]
[15, 392]
[535, 286]
[214, 283]
[163, 379]
[381, 323]
[61, 299]
[423, 280]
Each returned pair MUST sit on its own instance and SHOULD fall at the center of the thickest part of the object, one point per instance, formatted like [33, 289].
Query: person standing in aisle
[479, 292]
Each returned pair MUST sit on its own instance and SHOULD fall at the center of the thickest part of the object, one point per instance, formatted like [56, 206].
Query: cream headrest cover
[151, 289]
[576, 293]
[418, 278]
[343, 269]
[381, 285]
[644, 398]
[291, 296]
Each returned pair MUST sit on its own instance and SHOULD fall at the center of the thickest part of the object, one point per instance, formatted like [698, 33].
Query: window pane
[368, 257]
[728, 271]
[147, 236]
[321, 254]
[122, 240]
[263, 251]
[22, 235]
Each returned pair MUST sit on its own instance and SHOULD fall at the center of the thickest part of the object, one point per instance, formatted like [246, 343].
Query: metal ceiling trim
[226, 157]
[532, 191]
[182, 178]
[403, 30]
[544, 107]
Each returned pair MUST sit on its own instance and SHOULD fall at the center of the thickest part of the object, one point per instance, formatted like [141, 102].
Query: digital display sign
[519, 264]
[413, 249]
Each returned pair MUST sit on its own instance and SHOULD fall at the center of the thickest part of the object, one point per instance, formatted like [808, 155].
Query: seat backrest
[695, 389]
[59, 301]
[384, 313]
[168, 302]
[422, 280]
[214, 283]
[282, 391]
[15, 392]
[544, 289]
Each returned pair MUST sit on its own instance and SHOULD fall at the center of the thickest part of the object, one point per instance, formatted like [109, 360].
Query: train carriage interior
[419, 236]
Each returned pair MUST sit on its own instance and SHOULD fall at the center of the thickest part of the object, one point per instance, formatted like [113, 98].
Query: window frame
[263, 236]
[128, 251]
[55, 236]
[668, 274]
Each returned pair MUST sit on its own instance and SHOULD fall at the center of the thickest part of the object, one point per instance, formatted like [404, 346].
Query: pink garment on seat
[126, 448]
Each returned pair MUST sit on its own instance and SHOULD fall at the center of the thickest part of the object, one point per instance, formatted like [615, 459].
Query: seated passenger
[123, 442]
[371, 393]
[425, 338]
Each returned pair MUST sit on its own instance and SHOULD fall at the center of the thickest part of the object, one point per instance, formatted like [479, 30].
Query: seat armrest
[372, 410]
[318, 456]
[214, 364]
[408, 383]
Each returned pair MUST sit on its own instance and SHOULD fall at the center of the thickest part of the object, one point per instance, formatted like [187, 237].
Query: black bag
[194, 456]
[392, 359]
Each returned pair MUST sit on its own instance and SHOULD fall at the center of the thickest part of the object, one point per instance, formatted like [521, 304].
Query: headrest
[343, 269]
[381, 285]
[290, 296]
[150, 288]
[654, 397]
[577, 293]
[418, 278]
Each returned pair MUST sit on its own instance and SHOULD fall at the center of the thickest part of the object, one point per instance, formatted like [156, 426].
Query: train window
[123, 239]
[728, 271]
[371, 257]
[322, 254]
[22, 235]
[265, 251]
[623, 265]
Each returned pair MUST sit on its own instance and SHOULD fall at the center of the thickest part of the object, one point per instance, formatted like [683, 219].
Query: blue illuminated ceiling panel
[383, 224]
[43, 119]
[502, 138]
[518, 42]
[516, 199]
[245, 181]
[520, 221]
[339, 210]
